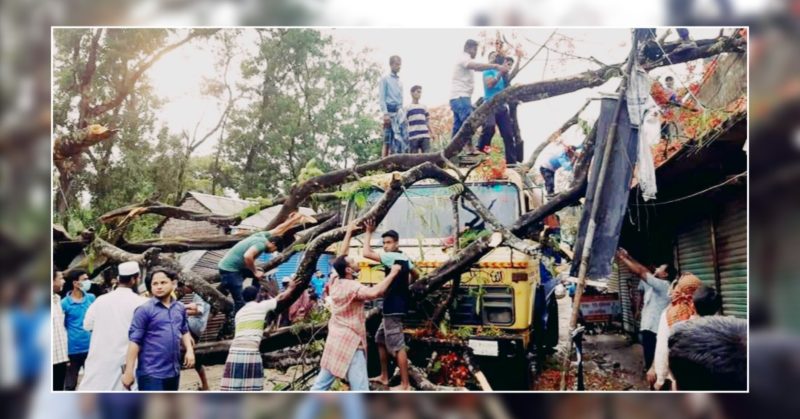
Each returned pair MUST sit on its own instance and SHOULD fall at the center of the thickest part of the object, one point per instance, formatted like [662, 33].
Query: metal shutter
[694, 251]
[626, 285]
[731, 241]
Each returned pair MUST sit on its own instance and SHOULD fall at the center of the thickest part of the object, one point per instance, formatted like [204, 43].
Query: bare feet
[401, 388]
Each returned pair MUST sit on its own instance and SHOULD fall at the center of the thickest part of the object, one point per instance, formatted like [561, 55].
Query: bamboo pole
[598, 193]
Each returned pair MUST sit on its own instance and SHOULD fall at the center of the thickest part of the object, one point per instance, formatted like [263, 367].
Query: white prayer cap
[128, 268]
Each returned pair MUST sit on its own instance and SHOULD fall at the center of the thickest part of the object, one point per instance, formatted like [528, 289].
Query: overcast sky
[429, 56]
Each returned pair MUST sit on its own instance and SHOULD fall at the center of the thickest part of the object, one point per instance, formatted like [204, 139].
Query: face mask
[86, 285]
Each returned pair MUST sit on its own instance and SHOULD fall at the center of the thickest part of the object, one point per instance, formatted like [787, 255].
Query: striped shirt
[417, 117]
[59, 332]
[250, 324]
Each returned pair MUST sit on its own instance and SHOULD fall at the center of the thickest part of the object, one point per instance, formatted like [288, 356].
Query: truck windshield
[425, 211]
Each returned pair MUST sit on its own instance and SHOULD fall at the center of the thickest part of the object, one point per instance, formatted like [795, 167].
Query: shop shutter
[694, 251]
[626, 284]
[731, 242]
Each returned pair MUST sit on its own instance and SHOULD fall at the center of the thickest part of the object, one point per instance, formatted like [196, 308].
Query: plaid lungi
[243, 371]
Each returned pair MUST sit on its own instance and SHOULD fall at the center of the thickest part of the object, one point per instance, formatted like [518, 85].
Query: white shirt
[463, 79]
[109, 319]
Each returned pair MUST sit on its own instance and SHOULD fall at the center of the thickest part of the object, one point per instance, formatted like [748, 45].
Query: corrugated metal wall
[731, 242]
[694, 251]
[626, 284]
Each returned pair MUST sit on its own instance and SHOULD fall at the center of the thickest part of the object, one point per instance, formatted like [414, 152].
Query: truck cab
[494, 309]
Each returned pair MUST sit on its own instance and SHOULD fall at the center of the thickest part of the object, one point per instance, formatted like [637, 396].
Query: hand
[188, 359]
[258, 274]
[651, 376]
[369, 226]
[387, 122]
[352, 226]
[127, 380]
[191, 309]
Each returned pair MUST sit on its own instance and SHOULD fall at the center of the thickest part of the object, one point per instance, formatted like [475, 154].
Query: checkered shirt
[346, 328]
[59, 332]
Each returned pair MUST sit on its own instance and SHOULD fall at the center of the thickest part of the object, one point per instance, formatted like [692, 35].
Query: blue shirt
[27, 325]
[157, 330]
[391, 92]
[558, 161]
[489, 92]
[74, 312]
[318, 283]
[656, 299]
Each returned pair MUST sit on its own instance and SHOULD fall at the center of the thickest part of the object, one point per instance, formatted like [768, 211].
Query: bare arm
[635, 267]
[130, 362]
[250, 260]
[283, 227]
[345, 246]
[367, 251]
[474, 66]
[188, 359]
[380, 289]
[490, 81]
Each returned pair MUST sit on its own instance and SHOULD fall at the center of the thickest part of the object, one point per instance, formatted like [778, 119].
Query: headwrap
[682, 305]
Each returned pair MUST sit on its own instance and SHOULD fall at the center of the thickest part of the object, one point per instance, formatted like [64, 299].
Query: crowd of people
[687, 344]
[407, 129]
[126, 340]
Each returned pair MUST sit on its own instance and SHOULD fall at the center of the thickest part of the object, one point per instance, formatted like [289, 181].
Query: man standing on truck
[389, 337]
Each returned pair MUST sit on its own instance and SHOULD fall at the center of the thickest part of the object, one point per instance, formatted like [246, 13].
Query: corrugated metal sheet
[260, 220]
[694, 251]
[731, 239]
[289, 267]
[221, 205]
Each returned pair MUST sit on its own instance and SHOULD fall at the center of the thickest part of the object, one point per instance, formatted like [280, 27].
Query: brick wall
[184, 228]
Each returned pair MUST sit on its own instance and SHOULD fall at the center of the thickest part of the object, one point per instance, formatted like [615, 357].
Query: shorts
[390, 334]
[422, 144]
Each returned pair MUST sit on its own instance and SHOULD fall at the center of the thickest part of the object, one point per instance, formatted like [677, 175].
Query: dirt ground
[190, 381]
[610, 361]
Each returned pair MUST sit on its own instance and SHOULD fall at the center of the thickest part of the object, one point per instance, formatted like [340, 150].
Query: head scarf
[682, 306]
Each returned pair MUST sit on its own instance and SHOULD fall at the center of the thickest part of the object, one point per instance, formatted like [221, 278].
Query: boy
[419, 129]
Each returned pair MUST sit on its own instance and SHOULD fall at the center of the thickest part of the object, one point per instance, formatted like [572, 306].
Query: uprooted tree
[98, 248]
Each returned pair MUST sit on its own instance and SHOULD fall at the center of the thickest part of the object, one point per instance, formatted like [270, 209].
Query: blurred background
[25, 187]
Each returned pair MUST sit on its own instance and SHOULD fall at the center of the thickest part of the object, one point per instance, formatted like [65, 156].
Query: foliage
[357, 192]
[469, 236]
[450, 369]
[253, 209]
[494, 166]
[312, 100]
[310, 170]
[463, 332]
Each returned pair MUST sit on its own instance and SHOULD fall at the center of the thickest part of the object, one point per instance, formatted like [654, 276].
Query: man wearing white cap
[109, 319]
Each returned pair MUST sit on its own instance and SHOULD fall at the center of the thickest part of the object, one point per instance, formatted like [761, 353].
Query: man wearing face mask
[75, 305]
[345, 353]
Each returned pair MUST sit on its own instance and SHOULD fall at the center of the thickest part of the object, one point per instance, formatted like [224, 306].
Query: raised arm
[490, 81]
[344, 247]
[476, 66]
[293, 219]
[367, 251]
[635, 267]
[378, 290]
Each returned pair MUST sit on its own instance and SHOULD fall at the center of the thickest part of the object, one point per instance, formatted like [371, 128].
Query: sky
[429, 57]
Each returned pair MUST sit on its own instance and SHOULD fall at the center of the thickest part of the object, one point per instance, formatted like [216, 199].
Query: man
[158, 328]
[561, 160]
[75, 306]
[60, 356]
[391, 103]
[197, 317]
[300, 308]
[656, 298]
[463, 84]
[493, 83]
[709, 354]
[707, 301]
[109, 319]
[346, 344]
[419, 128]
[389, 337]
[241, 259]
[669, 90]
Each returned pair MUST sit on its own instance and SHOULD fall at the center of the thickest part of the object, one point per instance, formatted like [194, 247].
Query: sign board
[600, 308]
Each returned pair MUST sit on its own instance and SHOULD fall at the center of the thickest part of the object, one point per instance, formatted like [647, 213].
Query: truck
[503, 310]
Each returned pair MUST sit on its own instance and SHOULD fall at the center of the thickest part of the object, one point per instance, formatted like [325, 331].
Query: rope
[696, 193]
